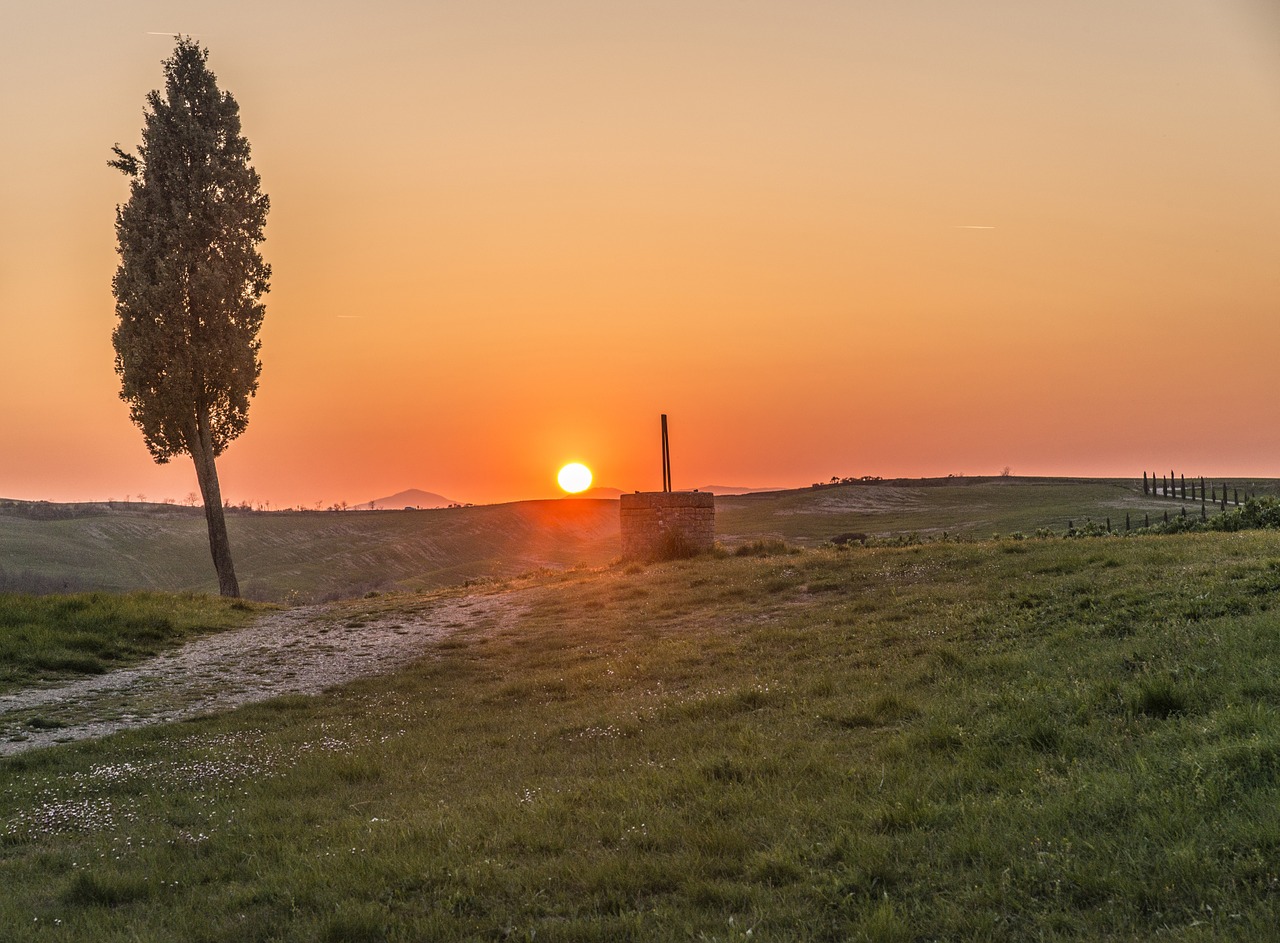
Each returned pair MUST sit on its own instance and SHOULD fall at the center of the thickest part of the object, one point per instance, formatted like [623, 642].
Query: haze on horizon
[909, 239]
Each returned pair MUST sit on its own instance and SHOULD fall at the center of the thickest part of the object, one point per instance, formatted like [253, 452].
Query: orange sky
[827, 238]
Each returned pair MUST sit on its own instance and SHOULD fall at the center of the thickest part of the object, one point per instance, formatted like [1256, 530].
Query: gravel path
[302, 651]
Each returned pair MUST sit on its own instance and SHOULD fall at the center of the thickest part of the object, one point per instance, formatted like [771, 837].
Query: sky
[907, 238]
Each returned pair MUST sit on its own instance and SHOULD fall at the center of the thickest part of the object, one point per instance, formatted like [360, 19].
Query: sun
[574, 477]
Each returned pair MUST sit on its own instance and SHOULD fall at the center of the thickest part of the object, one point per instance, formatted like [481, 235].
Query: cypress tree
[190, 282]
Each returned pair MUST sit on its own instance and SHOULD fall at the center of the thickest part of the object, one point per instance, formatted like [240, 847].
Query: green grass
[965, 507]
[1037, 739]
[45, 638]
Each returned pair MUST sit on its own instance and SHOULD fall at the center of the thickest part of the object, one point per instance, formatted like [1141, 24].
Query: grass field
[310, 556]
[965, 507]
[1003, 740]
[299, 556]
[45, 638]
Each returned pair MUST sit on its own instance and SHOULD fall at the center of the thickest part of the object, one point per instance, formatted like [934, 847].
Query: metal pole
[666, 457]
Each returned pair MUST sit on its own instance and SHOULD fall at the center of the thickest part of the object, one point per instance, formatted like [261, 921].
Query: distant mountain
[734, 489]
[413, 498]
[600, 491]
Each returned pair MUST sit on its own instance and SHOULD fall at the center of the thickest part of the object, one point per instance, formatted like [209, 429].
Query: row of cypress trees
[1176, 487]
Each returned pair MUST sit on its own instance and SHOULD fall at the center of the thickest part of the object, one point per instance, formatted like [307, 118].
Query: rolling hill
[299, 555]
[311, 555]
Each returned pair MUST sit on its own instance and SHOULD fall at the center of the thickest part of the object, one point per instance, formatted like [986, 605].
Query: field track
[300, 651]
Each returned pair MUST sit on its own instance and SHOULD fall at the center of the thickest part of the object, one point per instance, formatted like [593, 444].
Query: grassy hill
[967, 507]
[298, 556]
[1044, 739]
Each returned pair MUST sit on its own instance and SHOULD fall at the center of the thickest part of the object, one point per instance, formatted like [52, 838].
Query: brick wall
[663, 523]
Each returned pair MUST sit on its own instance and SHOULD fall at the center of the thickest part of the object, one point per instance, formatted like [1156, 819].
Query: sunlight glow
[574, 477]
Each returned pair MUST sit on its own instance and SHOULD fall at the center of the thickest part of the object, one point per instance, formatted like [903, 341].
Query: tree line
[1176, 487]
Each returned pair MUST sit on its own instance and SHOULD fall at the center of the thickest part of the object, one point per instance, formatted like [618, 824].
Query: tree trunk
[219, 545]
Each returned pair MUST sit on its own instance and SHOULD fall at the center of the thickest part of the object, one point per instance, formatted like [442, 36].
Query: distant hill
[713, 489]
[601, 491]
[735, 489]
[413, 498]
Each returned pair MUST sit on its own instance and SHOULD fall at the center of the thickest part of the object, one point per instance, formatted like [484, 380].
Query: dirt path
[302, 651]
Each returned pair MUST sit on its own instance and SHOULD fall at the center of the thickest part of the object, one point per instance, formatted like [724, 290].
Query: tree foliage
[190, 282]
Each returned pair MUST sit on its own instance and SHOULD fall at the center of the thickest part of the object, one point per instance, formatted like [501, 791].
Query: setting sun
[574, 477]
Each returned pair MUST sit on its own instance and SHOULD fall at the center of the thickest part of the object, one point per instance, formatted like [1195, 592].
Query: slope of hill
[308, 555]
[305, 555]
[967, 507]
[736, 489]
[604, 492]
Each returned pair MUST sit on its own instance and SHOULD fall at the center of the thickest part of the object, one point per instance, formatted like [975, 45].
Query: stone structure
[664, 524]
